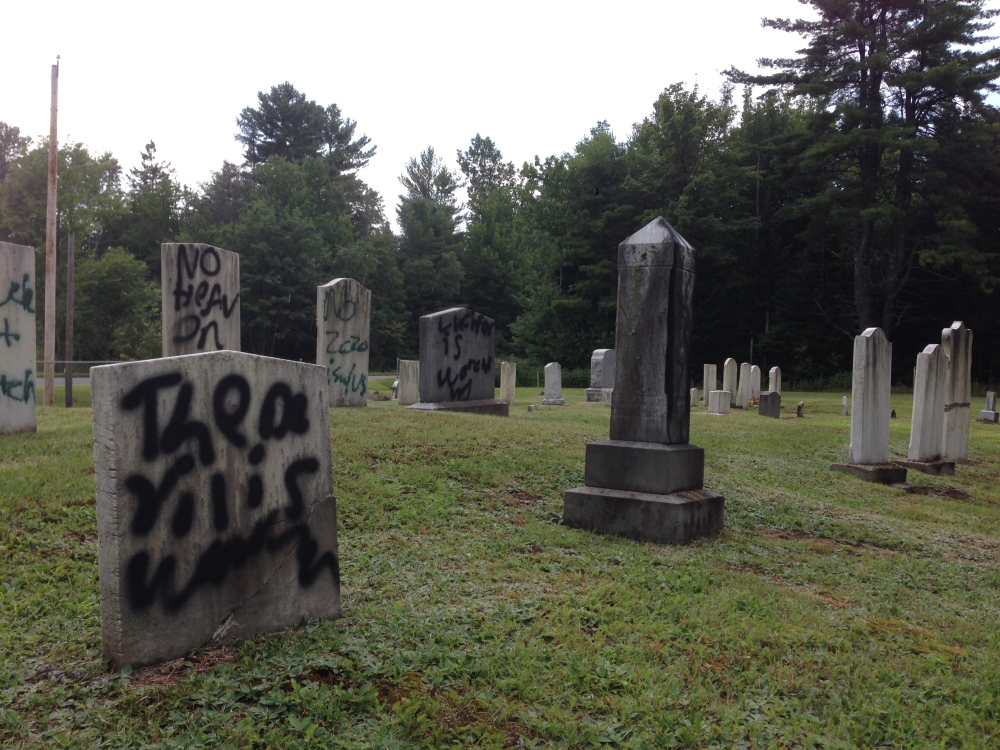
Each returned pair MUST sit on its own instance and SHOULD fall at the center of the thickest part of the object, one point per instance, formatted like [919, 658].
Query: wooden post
[49, 367]
[70, 262]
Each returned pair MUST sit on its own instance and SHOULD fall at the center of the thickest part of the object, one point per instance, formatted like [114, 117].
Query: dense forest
[855, 184]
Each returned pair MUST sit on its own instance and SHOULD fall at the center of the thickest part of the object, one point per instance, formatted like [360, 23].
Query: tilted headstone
[989, 415]
[456, 363]
[729, 382]
[408, 392]
[694, 397]
[18, 412]
[774, 380]
[553, 385]
[743, 389]
[508, 382]
[709, 381]
[928, 405]
[215, 510]
[343, 327]
[754, 382]
[602, 373]
[719, 402]
[770, 405]
[956, 341]
[201, 298]
[646, 482]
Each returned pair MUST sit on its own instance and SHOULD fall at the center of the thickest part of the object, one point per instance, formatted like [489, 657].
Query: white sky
[533, 76]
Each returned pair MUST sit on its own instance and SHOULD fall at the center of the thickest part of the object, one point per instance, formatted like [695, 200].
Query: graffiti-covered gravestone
[343, 318]
[201, 299]
[215, 510]
[17, 339]
[456, 363]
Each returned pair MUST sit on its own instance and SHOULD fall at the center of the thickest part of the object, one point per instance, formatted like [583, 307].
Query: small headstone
[743, 389]
[729, 382]
[956, 341]
[532, 407]
[456, 363]
[395, 389]
[989, 415]
[709, 381]
[843, 407]
[508, 382]
[553, 385]
[924, 453]
[774, 380]
[607, 396]
[602, 373]
[991, 400]
[754, 382]
[343, 325]
[770, 405]
[893, 415]
[408, 391]
[201, 298]
[215, 509]
[18, 412]
[694, 397]
[800, 409]
[719, 402]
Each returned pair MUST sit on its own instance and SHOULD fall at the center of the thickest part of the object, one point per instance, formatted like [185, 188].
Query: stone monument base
[593, 394]
[482, 406]
[646, 517]
[989, 417]
[553, 402]
[644, 467]
[935, 468]
[880, 473]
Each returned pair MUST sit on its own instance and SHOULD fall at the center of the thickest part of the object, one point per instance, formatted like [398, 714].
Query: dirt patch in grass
[822, 543]
[171, 671]
[519, 498]
[952, 492]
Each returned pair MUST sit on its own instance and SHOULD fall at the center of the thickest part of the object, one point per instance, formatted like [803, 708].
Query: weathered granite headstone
[956, 341]
[602, 373]
[729, 383]
[844, 411]
[456, 363]
[508, 382]
[719, 402]
[770, 405]
[709, 381]
[868, 455]
[743, 389]
[215, 510]
[800, 409]
[989, 415]
[774, 380]
[201, 298]
[343, 327]
[553, 385]
[924, 453]
[694, 397]
[754, 382]
[18, 411]
[647, 481]
[408, 391]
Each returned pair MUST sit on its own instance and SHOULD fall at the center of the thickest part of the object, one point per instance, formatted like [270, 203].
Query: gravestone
[508, 382]
[844, 411]
[602, 374]
[719, 402]
[868, 455]
[694, 397]
[607, 396]
[989, 415]
[456, 363]
[18, 412]
[709, 381]
[201, 298]
[553, 385]
[754, 382]
[924, 453]
[343, 326]
[532, 407]
[774, 380]
[729, 383]
[215, 510]
[770, 405]
[800, 410]
[408, 391]
[743, 389]
[647, 481]
[956, 341]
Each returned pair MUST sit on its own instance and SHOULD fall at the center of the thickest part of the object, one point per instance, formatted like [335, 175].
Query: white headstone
[709, 381]
[719, 402]
[215, 507]
[743, 389]
[343, 327]
[729, 383]
[844, 411]
[602, 373]
[957, 344]
[17, 339]
[870, 391]
[694, 397]
[928, 405]
[754, 382]
[408, 392]
[553, 385]
[508, 381]
[201, 298]
[774, 380]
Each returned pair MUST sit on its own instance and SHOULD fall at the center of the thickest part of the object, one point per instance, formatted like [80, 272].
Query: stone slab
[456, 356]
[532, 407]
[662, 519]
[593, 395]
[508, 381]
[800, 409]
[694, 397]
[956, 340]
[989, 417]
[754, 382]
[709, 381]
[743, 388]
[493, 406]
[201, 298]
[408, 391]
[870, 391]
[644, 467]
[774, 380]
[935, 468]
[730, 383]
[719, 403]
[343, 329]
[991, 400]
[553, 385]
[602, 369]
[770, 405]
[928, 405]
[215, 510]
[18, 398]
[879, 473]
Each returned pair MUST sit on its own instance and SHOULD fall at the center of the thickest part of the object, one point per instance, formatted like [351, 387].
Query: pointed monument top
[656, 244]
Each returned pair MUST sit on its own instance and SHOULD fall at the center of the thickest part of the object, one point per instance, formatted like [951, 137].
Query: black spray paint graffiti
[344, 309]
[27, 295]
[185, 443]
[21, 390]
[455, 330]
[205, 297]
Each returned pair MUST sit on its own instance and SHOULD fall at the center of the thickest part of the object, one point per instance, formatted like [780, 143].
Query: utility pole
[49, 368]
[70, 262]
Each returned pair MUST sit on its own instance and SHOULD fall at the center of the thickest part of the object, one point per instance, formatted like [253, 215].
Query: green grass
[831, 613]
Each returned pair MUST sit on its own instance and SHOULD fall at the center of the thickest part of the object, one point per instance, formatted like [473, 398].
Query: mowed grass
[830, 613]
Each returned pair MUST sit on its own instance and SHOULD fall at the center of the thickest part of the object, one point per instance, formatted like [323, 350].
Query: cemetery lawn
[830, 613]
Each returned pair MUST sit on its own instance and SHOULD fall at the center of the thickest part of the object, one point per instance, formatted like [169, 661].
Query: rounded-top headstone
[343, 329]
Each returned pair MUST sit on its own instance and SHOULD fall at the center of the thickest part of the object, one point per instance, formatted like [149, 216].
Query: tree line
[855, 184]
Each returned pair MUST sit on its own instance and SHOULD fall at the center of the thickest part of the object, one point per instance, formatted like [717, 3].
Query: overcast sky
[534, 76]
